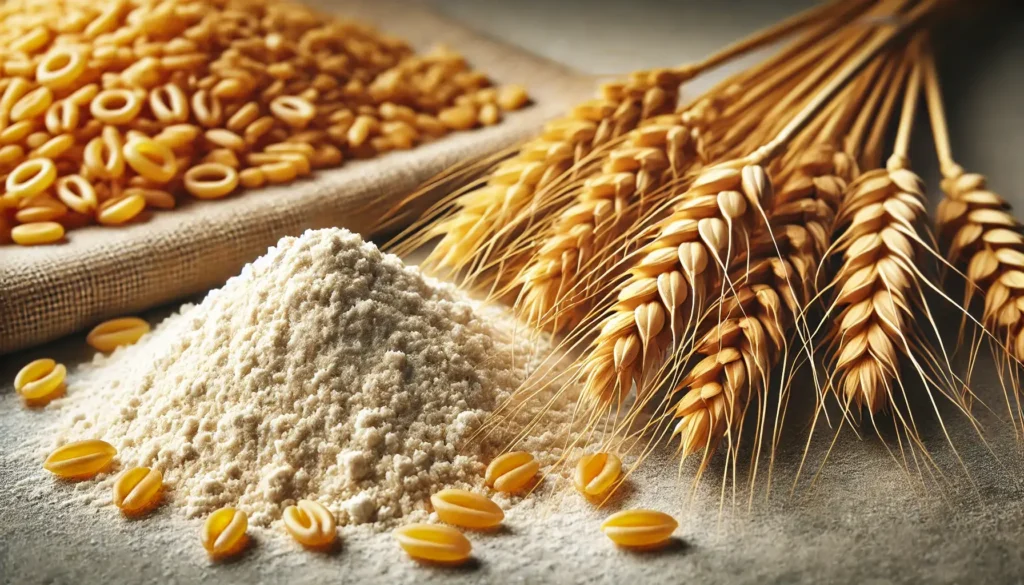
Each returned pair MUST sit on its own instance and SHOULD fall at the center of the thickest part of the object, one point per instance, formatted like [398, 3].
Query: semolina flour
[326, 370]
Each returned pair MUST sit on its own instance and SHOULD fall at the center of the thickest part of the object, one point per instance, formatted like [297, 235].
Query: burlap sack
[50, 291]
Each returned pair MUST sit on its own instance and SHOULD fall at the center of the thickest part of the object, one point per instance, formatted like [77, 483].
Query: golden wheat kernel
[138, 490]
[33, 234]
[458, 118]
[120, 211]
[224, 532]
[597, 473]
[110, 335]
[489, 115]
[40, 380]
[511, 472]
[434, 543]
[512, 97]
[40, 213]
[252, 178]
[639, 528]
[279, 172]
[81, 459]
[466, 509]
[310, 524]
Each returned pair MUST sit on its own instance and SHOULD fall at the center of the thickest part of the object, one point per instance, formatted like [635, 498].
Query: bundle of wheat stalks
[689, 252]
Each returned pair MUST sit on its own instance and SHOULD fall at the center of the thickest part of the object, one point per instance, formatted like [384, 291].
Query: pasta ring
[169, 104]
[103, 155]
[151, 159]
[115, 106]
[211, 180]
[60, 67]
[31, 177]
[77, 193]
[294, 111]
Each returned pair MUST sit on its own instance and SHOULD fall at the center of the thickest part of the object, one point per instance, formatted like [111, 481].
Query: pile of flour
[326, 370]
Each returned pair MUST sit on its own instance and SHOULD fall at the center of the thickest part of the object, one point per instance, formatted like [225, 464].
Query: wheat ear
[876, 282]
[476, 225]
[671, 281]
[608, 204]
[709, 224]
[740, 353]
[479, 215]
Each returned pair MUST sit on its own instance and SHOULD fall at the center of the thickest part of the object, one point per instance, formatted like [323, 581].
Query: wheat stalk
[741, 352]
[708, 225]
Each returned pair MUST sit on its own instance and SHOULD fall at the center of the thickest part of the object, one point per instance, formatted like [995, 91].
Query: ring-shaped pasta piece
[169, 104]
[16, 88]
[178, 136]
[16, 132]
[11, 154]
[292, 110]
[62, 117]
[77, 193]
[84, 94]
[211, 180]
[31, 178]
[51, 211]
[206, 108]
[115, 106]
[32, 40]
[103, 156]
[61, 67]
[151, 159]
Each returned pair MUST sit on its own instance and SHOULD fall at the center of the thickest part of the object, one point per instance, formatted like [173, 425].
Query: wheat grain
[741, 352]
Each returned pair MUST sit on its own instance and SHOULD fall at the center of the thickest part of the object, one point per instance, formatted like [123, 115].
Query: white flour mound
[326, 370]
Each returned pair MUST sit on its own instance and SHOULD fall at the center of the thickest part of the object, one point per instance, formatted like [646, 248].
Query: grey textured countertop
[863, 521]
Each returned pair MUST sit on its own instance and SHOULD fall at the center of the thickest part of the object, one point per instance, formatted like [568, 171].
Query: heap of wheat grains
[727, 241]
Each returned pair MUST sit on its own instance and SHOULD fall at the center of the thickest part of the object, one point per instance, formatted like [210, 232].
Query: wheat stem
[767, 36]
[873, 47]
[937, 115]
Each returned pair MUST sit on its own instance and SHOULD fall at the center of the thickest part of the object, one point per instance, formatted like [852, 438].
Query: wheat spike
[741, 352]
[983, 235]
[876, 283]
[484, 213]
[585, 235]
[670, 283]
[978, 231]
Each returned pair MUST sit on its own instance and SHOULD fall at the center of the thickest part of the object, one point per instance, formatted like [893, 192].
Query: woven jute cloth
[50, 291]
